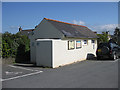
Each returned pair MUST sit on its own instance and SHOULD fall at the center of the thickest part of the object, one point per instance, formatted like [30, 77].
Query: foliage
[102, 37]
[117, 32]
[11, 43]
[117, 35]
[0, 45]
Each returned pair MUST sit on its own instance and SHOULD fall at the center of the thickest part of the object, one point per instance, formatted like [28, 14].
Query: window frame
[80, 44]
[86, 42]
[69, 43]
[92, 41]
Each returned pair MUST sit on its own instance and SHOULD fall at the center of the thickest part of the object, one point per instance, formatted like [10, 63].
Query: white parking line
[21, 76]
[109, 61]
[21, 68]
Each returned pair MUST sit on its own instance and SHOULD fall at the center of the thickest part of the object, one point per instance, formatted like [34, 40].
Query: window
[37, 43]
[93, 46]
[78, 44]
[85, 42]
[92, 41]
[32, 43]
[71, 45]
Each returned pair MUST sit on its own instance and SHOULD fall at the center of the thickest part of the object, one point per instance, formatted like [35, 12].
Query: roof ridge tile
[64, 22]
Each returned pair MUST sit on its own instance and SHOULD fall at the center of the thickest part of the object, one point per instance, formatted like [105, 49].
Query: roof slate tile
[72, 30]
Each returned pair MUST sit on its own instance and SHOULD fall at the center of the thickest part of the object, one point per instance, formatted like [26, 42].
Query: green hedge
[15, 46]
[102, 38]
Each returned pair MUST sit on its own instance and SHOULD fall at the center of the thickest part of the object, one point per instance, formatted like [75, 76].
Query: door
[44, 53]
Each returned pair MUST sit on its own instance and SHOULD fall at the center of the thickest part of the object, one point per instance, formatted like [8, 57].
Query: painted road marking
[21, 76]
[21, 68]
[12, 73]
[108, 61]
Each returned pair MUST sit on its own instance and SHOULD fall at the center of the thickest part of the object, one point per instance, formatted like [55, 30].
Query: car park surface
[85, 74]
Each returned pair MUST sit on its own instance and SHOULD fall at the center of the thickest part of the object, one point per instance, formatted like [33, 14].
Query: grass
[8, 60]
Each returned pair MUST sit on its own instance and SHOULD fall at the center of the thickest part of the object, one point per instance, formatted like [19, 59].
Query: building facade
[54, 43]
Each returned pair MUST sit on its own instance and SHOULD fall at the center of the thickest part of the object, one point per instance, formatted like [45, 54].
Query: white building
[54, 43]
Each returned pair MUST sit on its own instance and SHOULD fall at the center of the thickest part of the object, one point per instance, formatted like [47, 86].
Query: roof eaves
[29, 30]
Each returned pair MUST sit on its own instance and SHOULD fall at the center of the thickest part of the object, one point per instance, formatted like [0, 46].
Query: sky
[98, 16]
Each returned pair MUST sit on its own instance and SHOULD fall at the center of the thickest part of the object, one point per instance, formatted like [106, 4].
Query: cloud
[78, 22]
[103, 28]
[108, 27]
[98, 28]
[13, 27]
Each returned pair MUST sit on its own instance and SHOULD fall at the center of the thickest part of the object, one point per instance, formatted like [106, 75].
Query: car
[108, 50]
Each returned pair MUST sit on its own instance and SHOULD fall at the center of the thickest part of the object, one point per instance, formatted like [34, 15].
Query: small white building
[54, 43]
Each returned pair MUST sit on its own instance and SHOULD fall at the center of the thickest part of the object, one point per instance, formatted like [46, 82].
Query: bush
[102, 38]
[15, 46]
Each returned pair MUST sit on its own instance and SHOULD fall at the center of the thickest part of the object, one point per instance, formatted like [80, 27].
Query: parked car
[108, 50]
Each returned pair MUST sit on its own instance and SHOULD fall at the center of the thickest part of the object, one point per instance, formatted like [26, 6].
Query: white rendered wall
[62, 56]
[45, 30]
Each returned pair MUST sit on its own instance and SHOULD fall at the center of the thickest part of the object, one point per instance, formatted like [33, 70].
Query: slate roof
[26, 32]
[72, 30]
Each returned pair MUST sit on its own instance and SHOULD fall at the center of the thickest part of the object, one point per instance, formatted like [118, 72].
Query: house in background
[25, 32]
[54, 43]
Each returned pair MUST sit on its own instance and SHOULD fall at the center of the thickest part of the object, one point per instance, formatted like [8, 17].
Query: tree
[11, 44]
[0, 45]
[102, 37]
[117, 35]
[6, 44]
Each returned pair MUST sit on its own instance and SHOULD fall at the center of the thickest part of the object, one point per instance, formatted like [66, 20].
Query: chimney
[107, 32]
[20, 29]
[36, 26]
[95, 32]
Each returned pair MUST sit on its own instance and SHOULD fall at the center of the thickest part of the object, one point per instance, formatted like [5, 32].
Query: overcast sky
[98, 16]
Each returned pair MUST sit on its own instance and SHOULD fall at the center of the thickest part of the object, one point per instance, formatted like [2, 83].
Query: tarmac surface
[85, 74]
